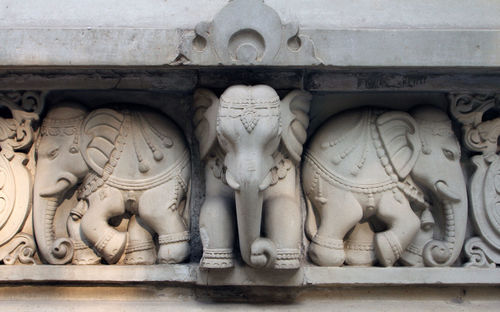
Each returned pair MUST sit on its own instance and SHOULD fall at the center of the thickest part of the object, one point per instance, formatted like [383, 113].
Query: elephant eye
[449, 154]
[53, 153]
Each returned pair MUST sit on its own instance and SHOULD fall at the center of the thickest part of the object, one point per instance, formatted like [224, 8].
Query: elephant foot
[140, 253]
[412, 256]
[387, 248]
[83, 254]
[326, 251]
[219, 258]
[111, 245]
[287, 259]
[360, 253]
[174, 248]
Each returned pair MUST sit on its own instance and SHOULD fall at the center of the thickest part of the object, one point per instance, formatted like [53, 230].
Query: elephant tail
[311, 225]
[185, 212]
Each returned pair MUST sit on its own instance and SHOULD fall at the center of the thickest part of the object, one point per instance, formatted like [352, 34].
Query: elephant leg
[359, 246]
[338, 215]
[83, 253]
[217, 224]
[283, 221]
[158, 208]
[140, 247]
[105, 203]
[403, 225]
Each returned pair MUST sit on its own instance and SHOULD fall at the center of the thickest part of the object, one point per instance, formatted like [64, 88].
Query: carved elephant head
[249, 127]
[59, 153]
[437, 169]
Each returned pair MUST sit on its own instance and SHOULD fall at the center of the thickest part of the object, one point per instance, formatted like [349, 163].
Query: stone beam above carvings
[183, 79]
[367, 33]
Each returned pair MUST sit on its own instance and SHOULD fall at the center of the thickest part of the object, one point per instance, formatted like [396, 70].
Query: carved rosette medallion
[481, 135]
[257, 37]
[16, 139]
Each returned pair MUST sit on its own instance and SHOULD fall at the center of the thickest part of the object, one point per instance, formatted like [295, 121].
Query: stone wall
[285, 158]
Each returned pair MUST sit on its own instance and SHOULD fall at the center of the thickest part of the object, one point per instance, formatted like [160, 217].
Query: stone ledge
[116, 274]
[189, 274]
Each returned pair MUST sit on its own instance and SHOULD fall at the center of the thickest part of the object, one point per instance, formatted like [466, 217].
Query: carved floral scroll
[478, 114]
[22, 110]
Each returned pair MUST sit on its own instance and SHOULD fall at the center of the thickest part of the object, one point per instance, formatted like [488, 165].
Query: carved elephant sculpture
[251, 143]
[370, 164]
[129, 161]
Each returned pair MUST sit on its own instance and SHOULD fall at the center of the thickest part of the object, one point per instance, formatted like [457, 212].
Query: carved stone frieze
[390, 181]
[478, 114]
[257, 37]
[112, 183]
[251, 144]
[129, 166]
[16, 169]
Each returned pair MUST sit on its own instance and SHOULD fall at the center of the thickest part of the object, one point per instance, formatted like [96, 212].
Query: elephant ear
[99, 132]
[206, 106]
[295, 120]
[401, 140]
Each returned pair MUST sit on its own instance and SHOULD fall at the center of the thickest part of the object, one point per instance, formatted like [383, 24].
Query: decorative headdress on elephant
[293, 116]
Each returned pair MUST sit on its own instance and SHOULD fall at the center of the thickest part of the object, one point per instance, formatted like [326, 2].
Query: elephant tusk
[443, 189]
[266, 182]
[65, 182]
[60, 186]
[231, 181]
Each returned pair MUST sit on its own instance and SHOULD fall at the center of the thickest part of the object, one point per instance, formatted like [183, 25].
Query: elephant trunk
[45, 204]
[256, 251]
[454, 202]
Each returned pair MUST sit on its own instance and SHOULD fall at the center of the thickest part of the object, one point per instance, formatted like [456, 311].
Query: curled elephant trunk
[454, 202]
[256, 251]
[52, 250]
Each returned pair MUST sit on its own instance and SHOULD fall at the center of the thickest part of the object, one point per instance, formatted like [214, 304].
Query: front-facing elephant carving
[369, 165]
[129, 162]
[251, 143]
